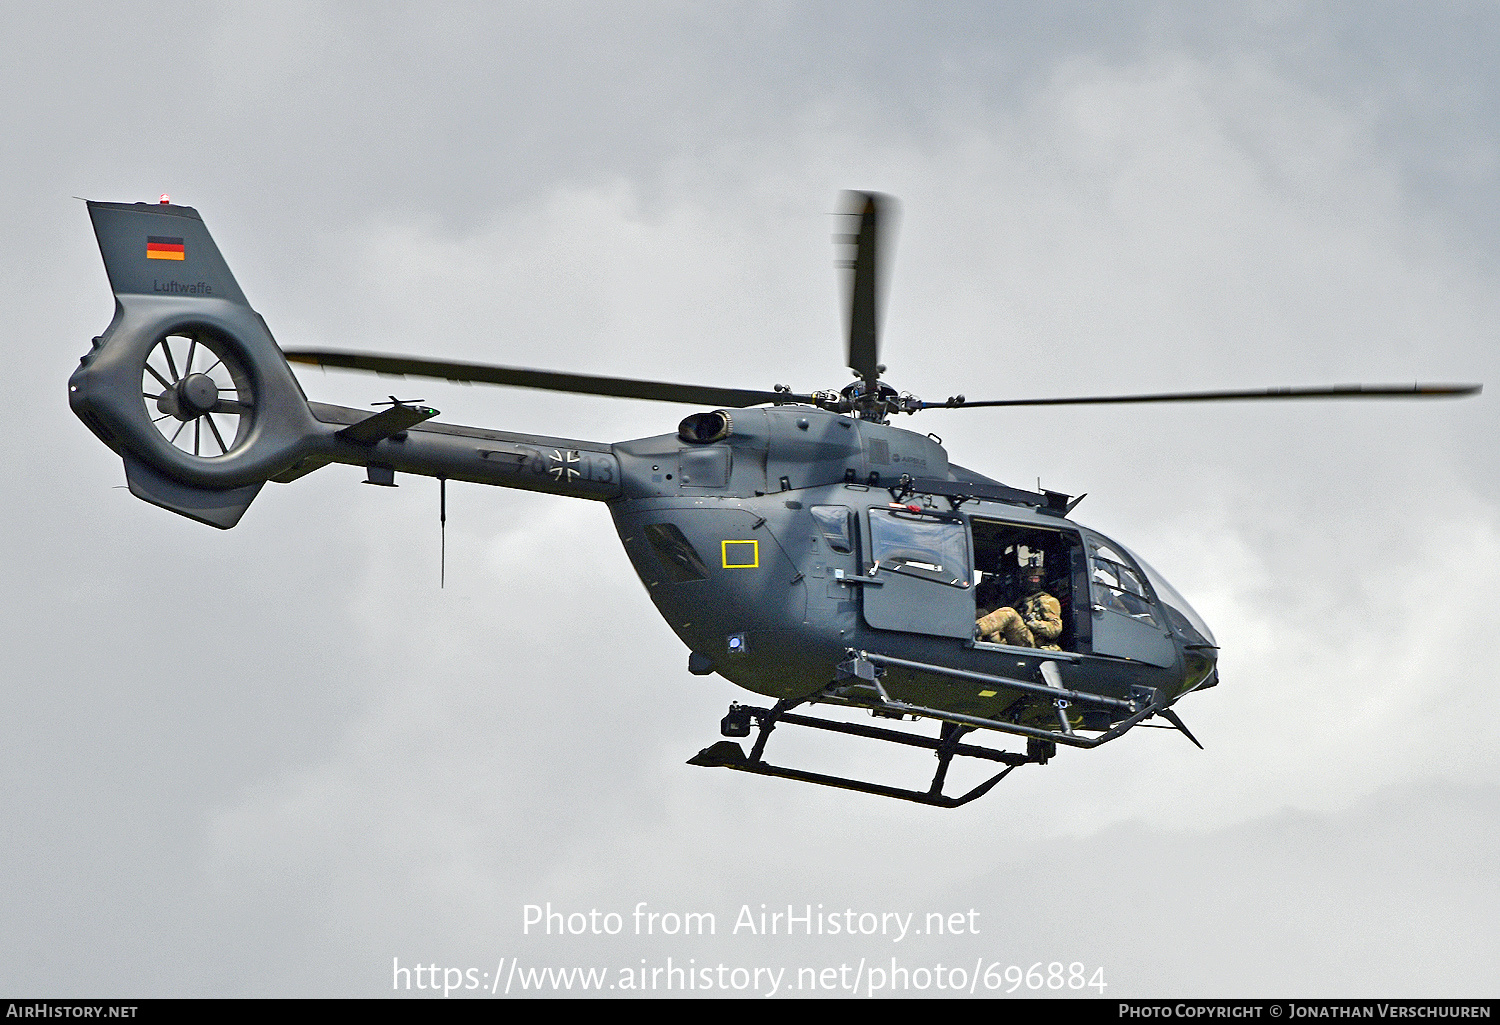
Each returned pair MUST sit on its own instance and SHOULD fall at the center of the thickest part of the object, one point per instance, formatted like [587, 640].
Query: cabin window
[919, 546]
[836, 523]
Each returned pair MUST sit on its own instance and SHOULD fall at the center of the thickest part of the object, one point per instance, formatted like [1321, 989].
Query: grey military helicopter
[800, 545]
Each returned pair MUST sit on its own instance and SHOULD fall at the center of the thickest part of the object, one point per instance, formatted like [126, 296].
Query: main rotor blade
[519, 377]
[865, 288]
[1351, 391]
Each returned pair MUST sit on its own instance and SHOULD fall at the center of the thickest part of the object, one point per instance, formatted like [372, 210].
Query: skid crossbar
[727, 754]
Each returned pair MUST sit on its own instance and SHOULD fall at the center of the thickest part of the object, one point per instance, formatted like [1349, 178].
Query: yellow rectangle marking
[746, 554]
[988, 693]
[157, 254]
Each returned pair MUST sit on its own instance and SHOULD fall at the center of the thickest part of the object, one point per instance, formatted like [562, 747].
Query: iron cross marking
[562, 468]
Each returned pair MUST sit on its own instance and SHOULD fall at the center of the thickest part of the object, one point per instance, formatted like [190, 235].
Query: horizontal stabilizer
[386, 423]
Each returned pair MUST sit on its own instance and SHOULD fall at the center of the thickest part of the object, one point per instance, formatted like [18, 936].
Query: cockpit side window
[1118, 587]
[1191, 624]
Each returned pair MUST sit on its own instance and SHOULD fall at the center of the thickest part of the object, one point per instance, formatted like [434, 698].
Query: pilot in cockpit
[1035, 621]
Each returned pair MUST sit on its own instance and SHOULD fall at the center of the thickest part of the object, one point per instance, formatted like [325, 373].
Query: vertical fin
[159, 249]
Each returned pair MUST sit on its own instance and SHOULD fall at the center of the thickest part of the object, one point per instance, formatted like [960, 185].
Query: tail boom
[186, 357]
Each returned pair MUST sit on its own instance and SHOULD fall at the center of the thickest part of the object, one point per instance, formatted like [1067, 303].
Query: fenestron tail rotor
[197, 394]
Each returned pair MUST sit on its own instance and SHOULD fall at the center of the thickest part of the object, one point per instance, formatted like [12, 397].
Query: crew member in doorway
[1035, 622]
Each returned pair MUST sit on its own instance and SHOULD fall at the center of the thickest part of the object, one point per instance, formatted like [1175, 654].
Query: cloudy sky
[280, 760]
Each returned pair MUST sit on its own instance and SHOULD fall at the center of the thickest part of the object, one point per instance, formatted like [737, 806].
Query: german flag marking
[160, 247]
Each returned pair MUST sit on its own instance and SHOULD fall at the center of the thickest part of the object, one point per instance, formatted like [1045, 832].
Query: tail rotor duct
[197, 394]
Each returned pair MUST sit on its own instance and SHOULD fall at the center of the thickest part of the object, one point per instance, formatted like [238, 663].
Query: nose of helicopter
[1200, 667]
[1200, 652]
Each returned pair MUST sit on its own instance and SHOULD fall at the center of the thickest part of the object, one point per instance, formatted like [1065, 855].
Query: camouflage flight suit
[1038, 624]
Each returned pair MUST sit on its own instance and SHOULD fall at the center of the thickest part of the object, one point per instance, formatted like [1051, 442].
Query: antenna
[443, 531]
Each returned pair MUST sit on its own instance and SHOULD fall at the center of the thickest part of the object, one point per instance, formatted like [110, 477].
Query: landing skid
[858, 684]
[729, 755]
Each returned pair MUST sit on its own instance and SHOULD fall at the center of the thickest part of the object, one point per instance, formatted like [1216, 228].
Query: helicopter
[799, 544]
